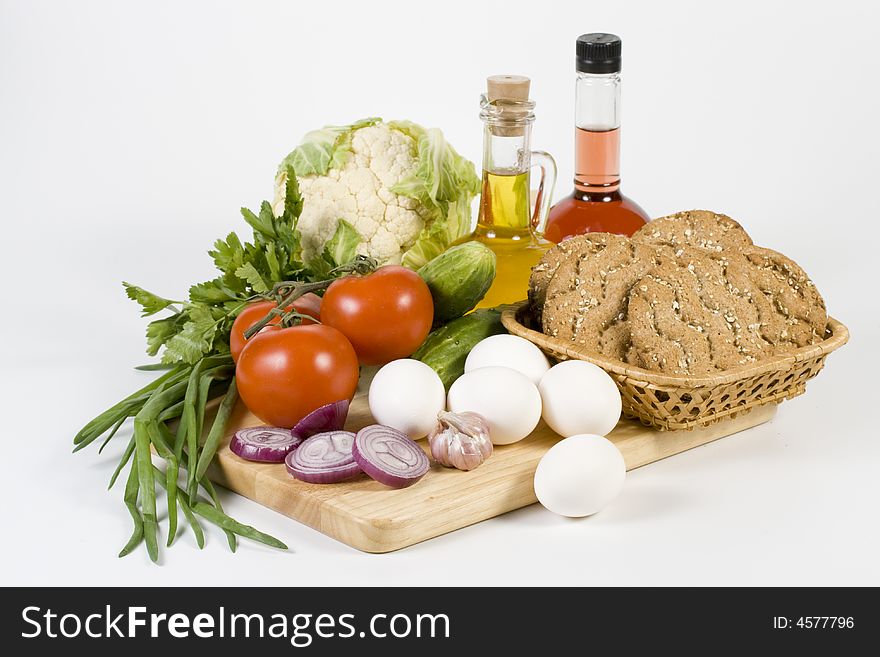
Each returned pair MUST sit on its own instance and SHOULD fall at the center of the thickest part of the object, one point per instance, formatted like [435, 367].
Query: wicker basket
[670, 402]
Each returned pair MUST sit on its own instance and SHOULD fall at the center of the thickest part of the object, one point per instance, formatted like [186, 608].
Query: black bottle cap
[598, 52]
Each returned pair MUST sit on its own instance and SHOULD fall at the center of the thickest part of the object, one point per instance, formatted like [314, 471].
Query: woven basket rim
[837, 336]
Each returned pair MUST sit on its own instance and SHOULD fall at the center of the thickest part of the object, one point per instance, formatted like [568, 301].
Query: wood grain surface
[374, 518]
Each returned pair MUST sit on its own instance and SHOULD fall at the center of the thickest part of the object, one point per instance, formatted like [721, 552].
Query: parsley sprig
[200, 326]
[171, 416]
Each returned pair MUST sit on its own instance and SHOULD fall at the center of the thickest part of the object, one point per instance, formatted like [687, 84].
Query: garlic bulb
[460, 440]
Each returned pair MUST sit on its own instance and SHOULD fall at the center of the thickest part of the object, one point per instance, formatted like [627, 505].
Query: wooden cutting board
[374, 518]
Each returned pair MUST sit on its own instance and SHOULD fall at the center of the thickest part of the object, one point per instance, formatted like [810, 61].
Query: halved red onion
[329, 417]
[264, 444]
[325, 458]
[389, 456]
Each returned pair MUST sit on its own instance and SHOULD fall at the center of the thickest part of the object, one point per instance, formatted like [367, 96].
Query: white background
[131, 133]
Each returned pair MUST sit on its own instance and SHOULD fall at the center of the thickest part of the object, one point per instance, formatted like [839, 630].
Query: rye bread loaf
[573, 248]
[701, 229]
[694, 313]
[586, 299]
[704, 311]
[790, 309]
[688, 294]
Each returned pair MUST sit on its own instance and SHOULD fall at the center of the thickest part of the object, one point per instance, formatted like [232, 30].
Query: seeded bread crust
[695, 313]
[688, 294]
[574, 247]
[791, 310]
[586, 300]
[701, 229]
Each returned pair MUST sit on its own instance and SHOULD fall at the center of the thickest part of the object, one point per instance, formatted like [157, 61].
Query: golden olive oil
[504, 202]
[504, 226]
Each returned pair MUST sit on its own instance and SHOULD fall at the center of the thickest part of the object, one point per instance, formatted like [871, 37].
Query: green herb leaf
[262, 223]
[149, 302]
[195, 340]
[159, 332]
[203, 316]
[228, 254]
[293, 202]
[210, 292]
[236, 287]
[272, 261]
[250, 274]
[188, 346]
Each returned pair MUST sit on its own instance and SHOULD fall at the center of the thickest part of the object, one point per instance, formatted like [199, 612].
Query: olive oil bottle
[507, 224]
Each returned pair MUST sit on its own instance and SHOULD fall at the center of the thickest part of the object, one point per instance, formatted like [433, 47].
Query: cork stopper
[509, 88]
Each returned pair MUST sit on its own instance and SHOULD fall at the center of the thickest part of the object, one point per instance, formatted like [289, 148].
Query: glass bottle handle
[544, 197]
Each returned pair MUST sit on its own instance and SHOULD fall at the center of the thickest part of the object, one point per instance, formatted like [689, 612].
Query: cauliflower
[392, 191]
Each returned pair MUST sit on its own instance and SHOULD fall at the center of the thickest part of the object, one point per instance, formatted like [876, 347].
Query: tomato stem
[286, 298]
[288, 318]
[286, 292]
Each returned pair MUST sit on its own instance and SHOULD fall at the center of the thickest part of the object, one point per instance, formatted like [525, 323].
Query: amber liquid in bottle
[596, 204]
[503, 226]
[507, 224]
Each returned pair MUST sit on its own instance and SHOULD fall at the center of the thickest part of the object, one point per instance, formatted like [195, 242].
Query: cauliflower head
[393, 191]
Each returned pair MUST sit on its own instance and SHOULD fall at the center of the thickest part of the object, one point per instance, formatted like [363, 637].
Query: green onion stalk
[171, 413]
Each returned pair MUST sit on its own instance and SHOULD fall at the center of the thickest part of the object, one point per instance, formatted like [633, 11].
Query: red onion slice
[264, 444]
[389, 456]
[330, 417]
[325, 458]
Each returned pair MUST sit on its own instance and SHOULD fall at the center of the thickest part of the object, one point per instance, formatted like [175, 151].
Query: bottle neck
[506, 150]
[507, 129]
[597, 133]
[504, 199]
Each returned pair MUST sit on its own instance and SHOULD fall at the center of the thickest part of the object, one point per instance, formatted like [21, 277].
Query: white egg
[580, 475]
[508, 351]
[579, 397]
[407, 394]
[508, 400]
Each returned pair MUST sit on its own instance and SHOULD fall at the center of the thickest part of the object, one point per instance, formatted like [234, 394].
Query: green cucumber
[458, 278]
[447, 347]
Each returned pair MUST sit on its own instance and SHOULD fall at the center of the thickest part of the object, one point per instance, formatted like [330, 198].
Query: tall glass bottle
[596, 205]
[507, 224]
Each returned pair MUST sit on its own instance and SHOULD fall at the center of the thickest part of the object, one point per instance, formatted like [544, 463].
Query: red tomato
[386, 314]
[289, 372]
[308, 304]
